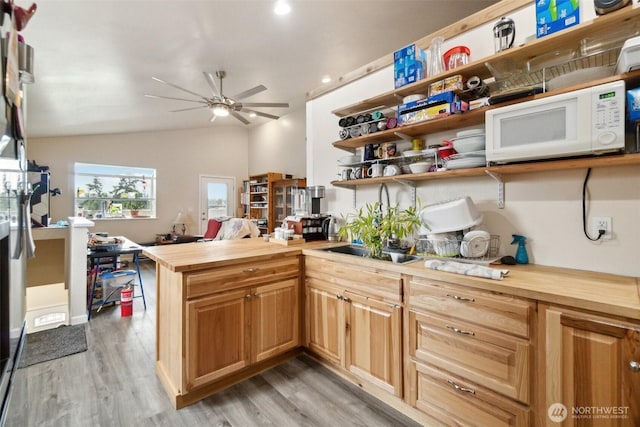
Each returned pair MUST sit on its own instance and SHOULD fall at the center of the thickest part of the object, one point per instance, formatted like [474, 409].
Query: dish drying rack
[516, 79]
[449, 249]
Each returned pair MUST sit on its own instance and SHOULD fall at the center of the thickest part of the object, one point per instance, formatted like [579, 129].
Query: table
[128, 247]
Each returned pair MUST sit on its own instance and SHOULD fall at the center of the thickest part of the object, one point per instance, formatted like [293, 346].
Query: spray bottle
[521, 253]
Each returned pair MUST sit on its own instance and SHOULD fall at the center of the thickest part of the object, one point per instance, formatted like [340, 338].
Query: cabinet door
[592, 369]
[373, 341]
[324, 320]
[276, 319]
[217, 336]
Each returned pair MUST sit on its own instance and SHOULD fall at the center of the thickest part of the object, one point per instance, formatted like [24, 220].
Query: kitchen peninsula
[416, 338]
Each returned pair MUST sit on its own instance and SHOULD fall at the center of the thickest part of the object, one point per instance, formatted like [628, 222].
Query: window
[108, 192]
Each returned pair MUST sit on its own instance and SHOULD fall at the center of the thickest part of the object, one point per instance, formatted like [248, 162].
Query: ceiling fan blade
[266, 104]
[249, 92]
[212, 83]
[178, 87]
[187, 109]
[177, 99]
[258, 113]
[213, 118]
[239, 117]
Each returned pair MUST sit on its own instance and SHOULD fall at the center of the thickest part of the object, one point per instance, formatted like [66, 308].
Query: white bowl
[411, 152]
[419, 167]
[469, 143]
[469, 132]
[453, 215]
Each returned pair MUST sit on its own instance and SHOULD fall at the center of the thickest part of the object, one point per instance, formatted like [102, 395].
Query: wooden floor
[114, 384]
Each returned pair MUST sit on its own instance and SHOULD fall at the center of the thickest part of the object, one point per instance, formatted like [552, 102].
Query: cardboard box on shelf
[555, 15]
[409, 65]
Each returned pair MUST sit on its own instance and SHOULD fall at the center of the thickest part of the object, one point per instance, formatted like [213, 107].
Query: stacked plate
[470, 147]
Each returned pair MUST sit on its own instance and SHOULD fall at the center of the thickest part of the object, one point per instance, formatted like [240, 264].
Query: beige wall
[279, 146]
[179, 157]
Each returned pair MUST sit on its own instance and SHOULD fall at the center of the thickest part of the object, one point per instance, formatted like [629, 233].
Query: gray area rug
[53, 344]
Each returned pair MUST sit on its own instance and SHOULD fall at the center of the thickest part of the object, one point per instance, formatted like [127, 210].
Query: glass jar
[436, 62]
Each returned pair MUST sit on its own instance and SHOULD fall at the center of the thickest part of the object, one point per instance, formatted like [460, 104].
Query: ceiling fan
[221, 105]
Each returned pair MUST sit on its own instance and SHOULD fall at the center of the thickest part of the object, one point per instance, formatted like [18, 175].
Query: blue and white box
[409, 65]
[555, 15]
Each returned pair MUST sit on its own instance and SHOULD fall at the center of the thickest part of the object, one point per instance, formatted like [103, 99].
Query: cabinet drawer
[500, 312]
[457, 402]
[497, 361]
[241, 275]
[362, 280]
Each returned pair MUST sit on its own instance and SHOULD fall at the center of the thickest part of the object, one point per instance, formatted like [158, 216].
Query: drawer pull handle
[459, 298]
[250, 270]
[460, 331]
[460, 388]
[635, 366]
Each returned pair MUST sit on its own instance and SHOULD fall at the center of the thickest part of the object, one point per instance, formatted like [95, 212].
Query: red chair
[213, 226]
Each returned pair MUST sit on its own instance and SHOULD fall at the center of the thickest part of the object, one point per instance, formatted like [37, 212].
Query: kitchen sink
[357, 250]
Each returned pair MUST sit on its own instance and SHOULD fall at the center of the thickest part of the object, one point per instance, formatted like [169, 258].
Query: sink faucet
[386, 190]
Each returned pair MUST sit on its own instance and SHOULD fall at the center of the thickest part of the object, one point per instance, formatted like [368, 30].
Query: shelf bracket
[403, 136]
[412, 188]
[500, 181]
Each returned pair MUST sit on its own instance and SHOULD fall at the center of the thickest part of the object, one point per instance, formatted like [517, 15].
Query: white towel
[466, 269]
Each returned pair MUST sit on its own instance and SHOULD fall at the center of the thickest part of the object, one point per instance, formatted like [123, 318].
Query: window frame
[114, 192]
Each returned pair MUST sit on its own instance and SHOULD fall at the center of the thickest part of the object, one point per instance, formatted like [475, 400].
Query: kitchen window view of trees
[107, 191]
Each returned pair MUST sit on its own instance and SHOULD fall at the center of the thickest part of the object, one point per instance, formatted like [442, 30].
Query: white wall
[545, 207]
[179, 157]
[279, 146]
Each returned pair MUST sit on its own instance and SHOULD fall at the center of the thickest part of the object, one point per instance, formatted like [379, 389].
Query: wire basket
[479, 249]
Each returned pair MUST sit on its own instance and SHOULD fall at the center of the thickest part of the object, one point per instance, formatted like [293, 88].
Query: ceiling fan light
[220, 110]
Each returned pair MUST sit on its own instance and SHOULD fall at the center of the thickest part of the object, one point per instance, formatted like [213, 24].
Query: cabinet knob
[339, 296]
[247, 296]
[255, 294]
[346, 299]
[460, 388]
[459, 298]
[250, 270]
[460, 331]
[635, 366]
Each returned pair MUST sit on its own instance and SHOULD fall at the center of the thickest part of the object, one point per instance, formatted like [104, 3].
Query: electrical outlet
[602, 223]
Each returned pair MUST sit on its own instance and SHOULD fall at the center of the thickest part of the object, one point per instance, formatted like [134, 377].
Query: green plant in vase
[378, 228]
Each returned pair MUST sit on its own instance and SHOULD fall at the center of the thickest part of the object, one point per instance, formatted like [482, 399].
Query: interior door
[217, 198]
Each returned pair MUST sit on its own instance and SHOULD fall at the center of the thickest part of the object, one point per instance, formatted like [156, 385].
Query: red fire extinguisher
[126, 301]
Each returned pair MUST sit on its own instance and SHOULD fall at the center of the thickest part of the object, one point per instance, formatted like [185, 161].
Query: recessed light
[282, 8]
[326, 79]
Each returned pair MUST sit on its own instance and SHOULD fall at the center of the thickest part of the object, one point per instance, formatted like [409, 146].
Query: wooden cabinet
[224, 324]
[275, 319]
[591, 367]
[217, 336]
[373, 349]
[283, 198]
[353, 320]
[259, 200]
[324, 317]
[469, 349]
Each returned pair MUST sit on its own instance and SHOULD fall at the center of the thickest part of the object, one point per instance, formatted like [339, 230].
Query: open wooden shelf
[512, 169]
[570, 37]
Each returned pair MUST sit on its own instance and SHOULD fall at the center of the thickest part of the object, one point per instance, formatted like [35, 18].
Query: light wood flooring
[114, 384]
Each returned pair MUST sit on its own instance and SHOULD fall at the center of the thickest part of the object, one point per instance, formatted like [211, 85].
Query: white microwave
[577, 123]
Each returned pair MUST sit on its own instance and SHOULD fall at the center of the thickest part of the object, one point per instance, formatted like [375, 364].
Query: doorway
[217, 198]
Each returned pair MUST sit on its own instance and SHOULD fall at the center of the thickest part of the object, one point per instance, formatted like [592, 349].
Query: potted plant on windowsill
[379, 229]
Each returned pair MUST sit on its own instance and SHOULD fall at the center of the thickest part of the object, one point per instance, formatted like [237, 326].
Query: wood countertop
[605, 293]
